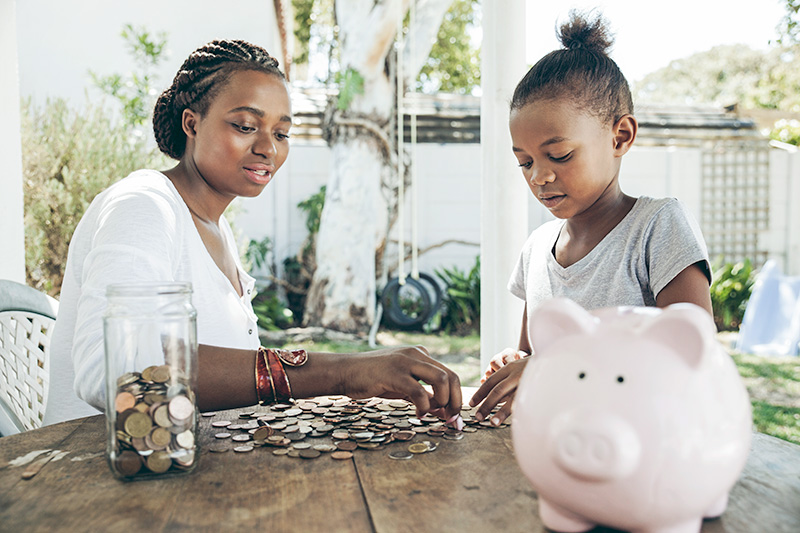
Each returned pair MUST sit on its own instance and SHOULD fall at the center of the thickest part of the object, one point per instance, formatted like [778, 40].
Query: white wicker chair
[26, 322]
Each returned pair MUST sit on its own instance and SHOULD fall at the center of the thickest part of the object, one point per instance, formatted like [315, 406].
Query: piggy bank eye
[620, 379]
[582, 375]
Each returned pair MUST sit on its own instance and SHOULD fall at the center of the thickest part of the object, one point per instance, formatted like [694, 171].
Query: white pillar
[504, 196]
[12, 234]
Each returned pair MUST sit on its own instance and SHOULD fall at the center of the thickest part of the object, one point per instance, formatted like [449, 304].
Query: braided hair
[581, 71]
[198, 81]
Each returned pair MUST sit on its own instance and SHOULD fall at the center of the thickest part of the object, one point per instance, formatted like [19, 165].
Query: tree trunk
[355, 217]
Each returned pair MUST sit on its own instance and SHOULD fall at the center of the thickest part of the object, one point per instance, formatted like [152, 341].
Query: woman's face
[242, 140]
[568, 157]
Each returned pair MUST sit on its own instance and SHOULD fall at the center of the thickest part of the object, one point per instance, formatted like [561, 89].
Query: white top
[655, 242]
[137, 230]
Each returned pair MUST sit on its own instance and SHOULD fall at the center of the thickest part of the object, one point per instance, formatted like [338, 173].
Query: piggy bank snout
[595, 447]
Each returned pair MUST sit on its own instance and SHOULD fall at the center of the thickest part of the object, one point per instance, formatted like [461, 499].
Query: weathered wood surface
[468, 485]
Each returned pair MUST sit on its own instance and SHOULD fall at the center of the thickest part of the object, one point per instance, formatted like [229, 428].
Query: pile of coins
[337, 426]
[155, 422]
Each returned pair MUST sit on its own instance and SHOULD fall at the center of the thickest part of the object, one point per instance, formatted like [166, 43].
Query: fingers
[444, 382]
[500, 360]
[397, 372]
[504, 412]
[498, 389]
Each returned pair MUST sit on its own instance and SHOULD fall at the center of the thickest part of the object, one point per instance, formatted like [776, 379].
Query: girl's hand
[396, 373]
[499, 388]
[502, 359]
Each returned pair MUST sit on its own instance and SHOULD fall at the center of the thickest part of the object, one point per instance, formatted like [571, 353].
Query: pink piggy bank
[630, 417]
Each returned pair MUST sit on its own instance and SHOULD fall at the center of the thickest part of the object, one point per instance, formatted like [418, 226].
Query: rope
[401, 193]
[414, 195]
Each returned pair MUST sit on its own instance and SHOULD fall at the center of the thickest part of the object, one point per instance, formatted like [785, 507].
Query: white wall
[448, 196]
[60, 41]
[448, 208]
[12, 240]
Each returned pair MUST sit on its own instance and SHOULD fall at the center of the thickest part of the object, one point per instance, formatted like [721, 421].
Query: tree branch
[428, 20]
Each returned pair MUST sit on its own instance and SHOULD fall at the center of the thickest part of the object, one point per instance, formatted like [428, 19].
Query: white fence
[743, 199]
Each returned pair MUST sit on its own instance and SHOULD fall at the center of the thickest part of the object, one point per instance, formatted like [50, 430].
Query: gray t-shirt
[655, 242]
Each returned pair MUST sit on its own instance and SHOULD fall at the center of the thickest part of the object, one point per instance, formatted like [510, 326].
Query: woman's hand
[499, 388]
[502, 359]
[396, 373]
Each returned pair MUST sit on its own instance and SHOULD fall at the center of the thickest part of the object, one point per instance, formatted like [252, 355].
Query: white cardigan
[137, 230]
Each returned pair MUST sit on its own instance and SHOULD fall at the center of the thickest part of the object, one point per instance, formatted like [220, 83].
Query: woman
[226, 119]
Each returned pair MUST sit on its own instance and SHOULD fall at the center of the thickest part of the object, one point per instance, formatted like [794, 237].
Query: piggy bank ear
[555, 319]
[685, 328]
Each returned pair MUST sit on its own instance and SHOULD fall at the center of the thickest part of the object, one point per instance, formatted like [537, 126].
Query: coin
[280, 451]
[347, 445]
[138, 424]
[161, 415]
[181, 408]
[325, 448]
[218, 448]
[185, 439]
[243, 449]
[418, 447]
[123, 401]
[221, 423]
[160, 374]
[147, 373]
[301, 445]
[128, 463]
[160, 437]
[240, 438]
[158, 462]
[222, 435]
[310, 453]
[404, 435]
[262, 433]
[342, 455]
[401, 455]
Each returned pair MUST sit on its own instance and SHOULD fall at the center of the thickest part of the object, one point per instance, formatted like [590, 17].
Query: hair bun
[585, 32]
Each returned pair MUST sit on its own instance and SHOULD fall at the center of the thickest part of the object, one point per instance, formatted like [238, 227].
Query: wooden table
[464, 486]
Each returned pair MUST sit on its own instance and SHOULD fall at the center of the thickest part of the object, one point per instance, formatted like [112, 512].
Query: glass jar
[151, 372]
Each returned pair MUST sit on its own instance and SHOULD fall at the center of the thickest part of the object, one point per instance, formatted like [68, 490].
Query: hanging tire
[406, 306]
[436, 294]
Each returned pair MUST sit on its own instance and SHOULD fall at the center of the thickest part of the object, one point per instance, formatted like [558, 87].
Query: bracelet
[281, 389]
[264, 384]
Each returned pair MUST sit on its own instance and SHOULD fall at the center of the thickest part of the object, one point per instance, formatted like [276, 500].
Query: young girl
[226, 119]
[571, 122]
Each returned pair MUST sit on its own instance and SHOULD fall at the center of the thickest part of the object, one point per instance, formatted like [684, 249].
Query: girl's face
[243, 138]
[569, 158]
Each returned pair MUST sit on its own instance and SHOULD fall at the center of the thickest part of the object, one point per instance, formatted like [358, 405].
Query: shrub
[730, 291]
[68, 156]
[461, 304]
[272, 313]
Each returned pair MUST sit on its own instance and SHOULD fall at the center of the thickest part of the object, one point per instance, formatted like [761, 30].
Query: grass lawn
[773, 382]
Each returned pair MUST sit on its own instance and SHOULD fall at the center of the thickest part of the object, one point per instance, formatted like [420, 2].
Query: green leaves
[69, 156]
[135, 92]
[312, 207]
[454, 63]
[730, 292]
[462, 299]
[350, 83]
